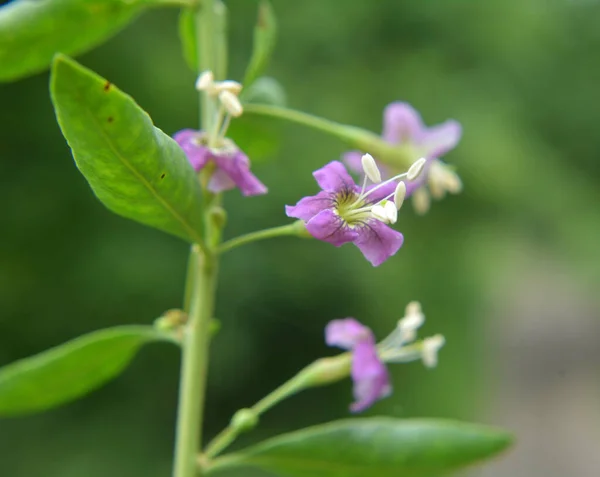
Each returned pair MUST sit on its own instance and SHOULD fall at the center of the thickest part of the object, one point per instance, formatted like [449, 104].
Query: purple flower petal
[378, 242]
[220, 181]
[333, 177]
[346, 333]
[327, 226]
[308, 207]
[237, 168]
[189, 141]
[401, 122]
[382, 192]
[370, 376]
[353, 160]
[440, 139]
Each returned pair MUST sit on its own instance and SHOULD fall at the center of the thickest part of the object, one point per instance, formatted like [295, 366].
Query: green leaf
[265, 90]
[187, 36]
[71, 370]
[265, 36]
[134, 168]
[32, 31]
[366, 447]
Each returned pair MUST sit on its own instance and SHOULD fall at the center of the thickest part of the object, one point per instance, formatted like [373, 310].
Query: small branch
[297, 228]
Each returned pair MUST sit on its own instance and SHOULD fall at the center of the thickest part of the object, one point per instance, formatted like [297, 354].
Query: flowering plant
[176, 184]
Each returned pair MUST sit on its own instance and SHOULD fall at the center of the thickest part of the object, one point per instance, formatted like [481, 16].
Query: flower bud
[244, 420]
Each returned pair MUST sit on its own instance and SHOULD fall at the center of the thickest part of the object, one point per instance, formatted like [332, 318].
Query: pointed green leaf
[71, 370]
[265, 90]
[32, 31]
[367, 447]
[187, 36]
[265, 36]
[134, 168]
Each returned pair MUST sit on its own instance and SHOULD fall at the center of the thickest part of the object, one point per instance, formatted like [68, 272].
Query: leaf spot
[163, 175]
[110, 119]
[107, 86]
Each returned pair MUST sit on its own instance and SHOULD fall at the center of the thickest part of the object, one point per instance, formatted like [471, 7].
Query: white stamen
[390, 211]
[231, 103]
[431, 346]
[399, 194]
[412, 321]
[205, 81]
[452, 182]
[413, 308]
[232, 86]
[421, 201]
[379, 212]
[416, 169]
[370, 168]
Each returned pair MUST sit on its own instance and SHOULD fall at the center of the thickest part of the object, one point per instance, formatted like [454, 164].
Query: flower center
[352, 208]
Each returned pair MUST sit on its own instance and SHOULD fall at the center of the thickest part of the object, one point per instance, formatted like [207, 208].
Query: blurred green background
[508, 271]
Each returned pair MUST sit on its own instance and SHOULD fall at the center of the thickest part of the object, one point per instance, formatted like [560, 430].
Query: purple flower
[370, 376]
[403, 126]
[231, 165]
[343, 212]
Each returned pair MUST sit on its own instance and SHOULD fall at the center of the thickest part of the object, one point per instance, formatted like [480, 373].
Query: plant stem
[290, 229]
[205, 24]
[321, 372]
[199, 294]
[400, 156]
[195, 366]
[341, 131]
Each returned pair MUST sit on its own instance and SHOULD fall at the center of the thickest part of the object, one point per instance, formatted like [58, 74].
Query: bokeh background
[509, 271]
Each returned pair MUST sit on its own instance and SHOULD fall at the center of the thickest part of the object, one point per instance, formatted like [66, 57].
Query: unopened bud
[205, 81]
[231, 103]
[244, 420]
[370, 168]
[399, 194]
[431, 346]
[327, 370]
[416, 169]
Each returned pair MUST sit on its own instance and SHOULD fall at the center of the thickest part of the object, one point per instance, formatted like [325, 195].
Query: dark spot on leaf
[163, 175]
[107, 86]
[110, 119]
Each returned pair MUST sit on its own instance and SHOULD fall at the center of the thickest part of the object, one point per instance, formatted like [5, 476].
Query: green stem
[199, 294]
[195, 365]
[230, 433]
[338, 130]
[400, 156]
[189, 278]
[290, 229]
[205, 22]
[221, 35]
[321, 372]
